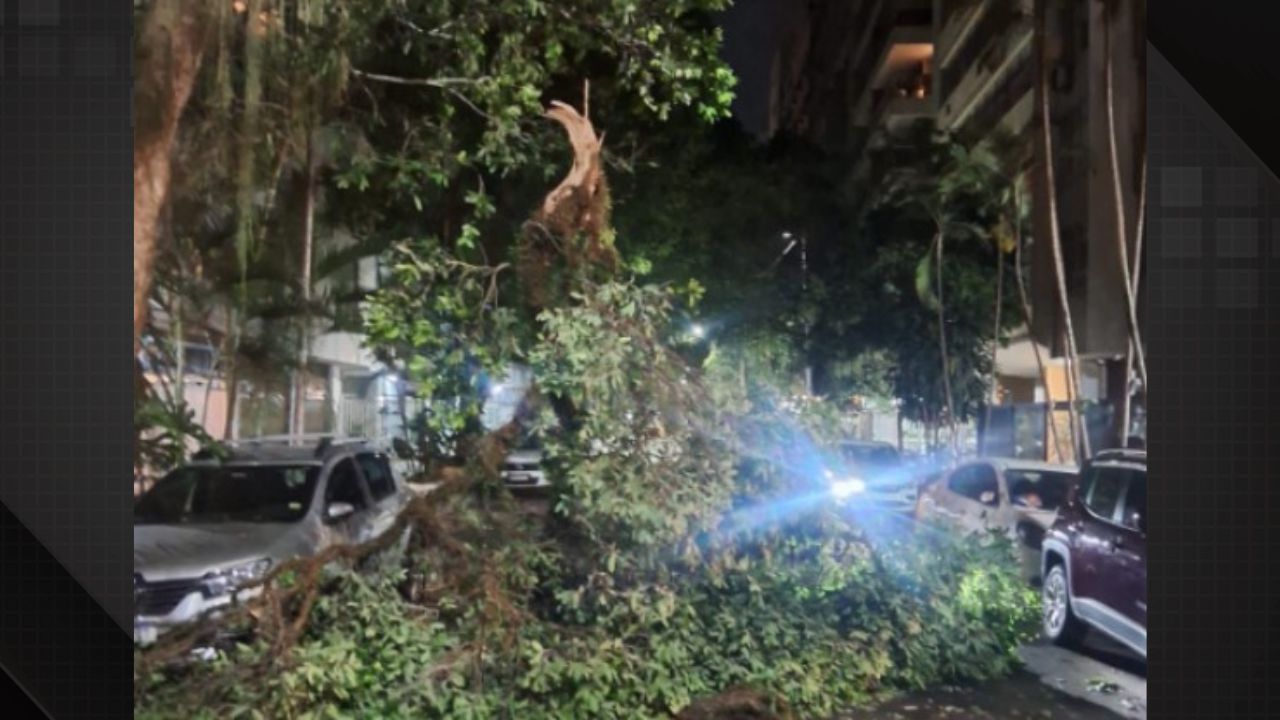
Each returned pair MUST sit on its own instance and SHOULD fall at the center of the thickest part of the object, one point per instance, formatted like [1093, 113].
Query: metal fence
[1022, 430]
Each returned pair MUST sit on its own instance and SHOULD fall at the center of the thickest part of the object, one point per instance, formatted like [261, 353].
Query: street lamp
[698, 331]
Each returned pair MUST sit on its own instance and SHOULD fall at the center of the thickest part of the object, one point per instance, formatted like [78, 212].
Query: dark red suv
[1094, 557]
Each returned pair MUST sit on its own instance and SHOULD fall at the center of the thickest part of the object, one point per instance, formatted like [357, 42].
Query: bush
[678, 563]
[812, 615]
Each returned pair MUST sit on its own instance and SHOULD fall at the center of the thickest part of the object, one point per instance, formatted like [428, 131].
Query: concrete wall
[1086, 208]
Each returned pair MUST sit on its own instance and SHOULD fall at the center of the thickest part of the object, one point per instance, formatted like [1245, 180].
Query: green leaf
[924, 281]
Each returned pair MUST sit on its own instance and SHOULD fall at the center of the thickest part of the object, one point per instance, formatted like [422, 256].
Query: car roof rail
[1120, 454]
[323, 442]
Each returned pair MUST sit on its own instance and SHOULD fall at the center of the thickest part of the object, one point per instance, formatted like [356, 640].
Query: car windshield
[279, 493]
[1039, 489]
[528, 441]
[875, 456]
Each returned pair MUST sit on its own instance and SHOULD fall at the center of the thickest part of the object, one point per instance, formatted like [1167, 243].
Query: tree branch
[442, 83]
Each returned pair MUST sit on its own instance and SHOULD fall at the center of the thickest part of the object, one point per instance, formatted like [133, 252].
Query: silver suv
[217, 523]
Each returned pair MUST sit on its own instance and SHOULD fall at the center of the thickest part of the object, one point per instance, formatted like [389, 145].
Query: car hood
[886, 479]
[525, 457]
[166, 552]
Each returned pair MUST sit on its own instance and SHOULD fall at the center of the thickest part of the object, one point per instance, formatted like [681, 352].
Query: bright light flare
[698, 331]
[847, 488]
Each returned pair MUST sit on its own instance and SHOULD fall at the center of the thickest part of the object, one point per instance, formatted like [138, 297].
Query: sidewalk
[1020, 696]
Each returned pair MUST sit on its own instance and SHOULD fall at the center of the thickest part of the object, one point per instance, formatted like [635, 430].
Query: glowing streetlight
[698, 331]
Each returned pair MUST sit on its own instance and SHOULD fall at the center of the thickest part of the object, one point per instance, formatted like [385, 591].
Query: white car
[1017, 497]
[523, 468]
[215, 524]
[874, 472]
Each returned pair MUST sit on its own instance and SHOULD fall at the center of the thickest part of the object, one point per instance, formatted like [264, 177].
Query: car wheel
[1060, 624]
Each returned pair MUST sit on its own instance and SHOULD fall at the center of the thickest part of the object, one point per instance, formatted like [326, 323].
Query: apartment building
[879, 67]
[345, 391]
[986, 84]
[847, 74]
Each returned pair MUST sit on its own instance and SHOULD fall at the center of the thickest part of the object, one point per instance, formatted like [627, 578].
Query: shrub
[679, 562]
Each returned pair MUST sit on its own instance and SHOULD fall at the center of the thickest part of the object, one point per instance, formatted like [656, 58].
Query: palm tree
[947, 193]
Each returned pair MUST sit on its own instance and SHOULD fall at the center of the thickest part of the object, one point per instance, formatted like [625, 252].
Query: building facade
[851, 76]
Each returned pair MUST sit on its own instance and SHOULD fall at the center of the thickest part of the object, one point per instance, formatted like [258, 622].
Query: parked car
[1094, 556]
[523, 465]
[1017, 497]
[875, 473]
[215, 524]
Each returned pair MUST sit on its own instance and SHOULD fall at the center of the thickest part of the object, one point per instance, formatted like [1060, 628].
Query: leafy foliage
[811, 613]
[688, 553]
[439, 319]
[166, 430]
[961, 193]
[689, 548]
[647, 461]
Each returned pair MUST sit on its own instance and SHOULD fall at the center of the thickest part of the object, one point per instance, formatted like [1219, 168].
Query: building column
[335, 398]
[1118, 393]
[1058, 420]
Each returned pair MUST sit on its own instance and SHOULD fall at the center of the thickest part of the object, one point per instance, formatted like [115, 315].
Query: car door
[1127, 594]
[384, 492]
[934, 502]
[1093, 538]
[346, 485]
[968, 497]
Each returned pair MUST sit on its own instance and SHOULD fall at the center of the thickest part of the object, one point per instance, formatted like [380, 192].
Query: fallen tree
[684, 570]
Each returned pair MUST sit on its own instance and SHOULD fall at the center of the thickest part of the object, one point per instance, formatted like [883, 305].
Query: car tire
[1060, 624]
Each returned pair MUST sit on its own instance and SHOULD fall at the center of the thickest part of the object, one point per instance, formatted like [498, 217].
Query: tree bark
[1055, 237]
[1122, 244]
[167, 60]
[942, 340]
[232, 357]
[308, 236]
[995, 344]
[248, 138]
[1135, 284]
[1023, 300]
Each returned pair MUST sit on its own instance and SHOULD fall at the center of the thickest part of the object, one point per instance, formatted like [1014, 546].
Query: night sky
[752, 30]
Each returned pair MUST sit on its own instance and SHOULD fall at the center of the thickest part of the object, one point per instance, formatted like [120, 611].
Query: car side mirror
[339, 510]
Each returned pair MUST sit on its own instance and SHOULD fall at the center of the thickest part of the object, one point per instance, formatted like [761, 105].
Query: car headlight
[847, 487]
[224, 581]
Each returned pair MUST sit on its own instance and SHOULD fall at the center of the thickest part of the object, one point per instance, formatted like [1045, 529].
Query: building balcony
[977, 40]
[896, 111]
[955, 23]
[345, 349]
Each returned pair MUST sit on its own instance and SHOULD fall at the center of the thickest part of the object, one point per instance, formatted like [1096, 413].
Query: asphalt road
[1100, 673]
[1100, 679]
[1098, 682]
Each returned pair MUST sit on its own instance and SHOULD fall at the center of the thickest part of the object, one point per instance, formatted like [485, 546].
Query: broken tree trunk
[569, 234]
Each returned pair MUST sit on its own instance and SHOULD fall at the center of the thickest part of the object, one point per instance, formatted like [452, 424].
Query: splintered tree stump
[569, 233]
